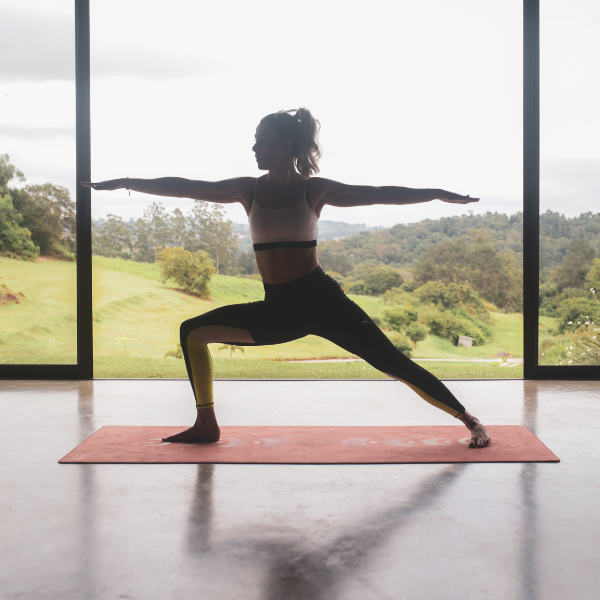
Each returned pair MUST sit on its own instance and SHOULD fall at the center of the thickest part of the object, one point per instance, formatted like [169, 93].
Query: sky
[417, 94]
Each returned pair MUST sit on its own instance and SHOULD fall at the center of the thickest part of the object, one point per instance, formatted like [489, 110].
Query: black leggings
[314, 304]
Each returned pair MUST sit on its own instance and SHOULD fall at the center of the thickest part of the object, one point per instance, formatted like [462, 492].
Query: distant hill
[403, 244]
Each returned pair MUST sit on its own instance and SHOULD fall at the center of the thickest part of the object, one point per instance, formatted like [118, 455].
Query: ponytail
[303, 129]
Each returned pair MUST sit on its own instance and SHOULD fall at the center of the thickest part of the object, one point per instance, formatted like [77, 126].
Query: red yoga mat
[312, 445]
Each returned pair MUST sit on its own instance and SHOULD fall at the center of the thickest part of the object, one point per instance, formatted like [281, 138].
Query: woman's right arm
[223, 192]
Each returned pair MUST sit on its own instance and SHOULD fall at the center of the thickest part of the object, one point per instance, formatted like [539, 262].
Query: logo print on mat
[358, 442]
[399, 442]
[272, 442]
[231, 443]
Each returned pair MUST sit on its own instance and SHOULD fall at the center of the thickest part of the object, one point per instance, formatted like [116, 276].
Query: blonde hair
[303, 130]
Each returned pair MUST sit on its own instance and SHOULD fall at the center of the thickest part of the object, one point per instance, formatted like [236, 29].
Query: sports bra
[288, 227]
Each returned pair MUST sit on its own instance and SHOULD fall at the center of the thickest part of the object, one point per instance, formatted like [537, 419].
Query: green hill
[137, 317]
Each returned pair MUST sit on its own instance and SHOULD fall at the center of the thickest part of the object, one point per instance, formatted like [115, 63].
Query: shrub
[571, 310]
[398, 317]
[191, 270]
[355, 287]
[447, 324]
[400, 342]
[381, 280]
[416, 332]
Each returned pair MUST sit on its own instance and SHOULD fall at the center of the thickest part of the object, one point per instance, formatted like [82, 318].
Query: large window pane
[570, 183]
[37, 182]
[423, 94]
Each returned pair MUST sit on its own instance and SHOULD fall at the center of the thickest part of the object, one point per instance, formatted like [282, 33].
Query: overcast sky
[420, 94]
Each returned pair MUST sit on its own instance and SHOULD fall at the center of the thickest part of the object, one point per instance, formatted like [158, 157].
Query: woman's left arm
[335, 193]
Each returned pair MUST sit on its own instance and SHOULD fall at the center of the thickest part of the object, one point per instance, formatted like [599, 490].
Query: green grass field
[137, 317]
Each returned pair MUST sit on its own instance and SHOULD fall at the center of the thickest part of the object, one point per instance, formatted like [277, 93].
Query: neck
[282, 176]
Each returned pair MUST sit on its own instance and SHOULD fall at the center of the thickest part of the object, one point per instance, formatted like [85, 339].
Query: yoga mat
[312, 445]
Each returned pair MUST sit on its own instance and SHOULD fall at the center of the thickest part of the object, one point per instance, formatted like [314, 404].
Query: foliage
[112, 238]
[452, 296]
[576, 311]
[232, 348]
[46, 211]
[398, 317]
[474, 261]
[572, 271]
[381, 280]
[400, 342]
[204, 228]
[451, 324]
[416, 332]
[49, 214]
[15, 240]
[192, 271]
[592, 279]
[331, 259]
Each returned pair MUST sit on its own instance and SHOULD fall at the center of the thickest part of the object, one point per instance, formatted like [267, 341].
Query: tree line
[34, 219]
[203, 228]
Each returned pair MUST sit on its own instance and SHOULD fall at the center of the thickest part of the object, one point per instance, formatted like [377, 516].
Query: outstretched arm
[339, 194]
[224, 192]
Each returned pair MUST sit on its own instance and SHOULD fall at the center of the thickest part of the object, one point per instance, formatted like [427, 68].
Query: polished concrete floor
[300, 532]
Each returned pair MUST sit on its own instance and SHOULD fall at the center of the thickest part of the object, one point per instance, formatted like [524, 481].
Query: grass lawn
[241, 368]
[137, 318]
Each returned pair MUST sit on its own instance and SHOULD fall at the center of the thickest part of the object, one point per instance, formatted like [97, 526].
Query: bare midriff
[281, 265]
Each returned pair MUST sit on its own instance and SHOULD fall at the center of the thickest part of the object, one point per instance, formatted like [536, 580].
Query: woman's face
[270, 149]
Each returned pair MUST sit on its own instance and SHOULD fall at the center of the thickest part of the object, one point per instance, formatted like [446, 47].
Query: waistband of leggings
[296, 286]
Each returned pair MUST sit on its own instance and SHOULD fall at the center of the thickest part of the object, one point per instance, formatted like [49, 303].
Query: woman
[283, 209]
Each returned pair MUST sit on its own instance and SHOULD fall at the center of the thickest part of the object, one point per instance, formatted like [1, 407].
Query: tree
[416, 332]
[157, 230]
[381, 280]
[246, 262]
[496, 276]
[49, 213]
[592, 279]
[112, 238]
[192, 271]
[398, 317]
[573, 268]
[211, 233]
[15, 240]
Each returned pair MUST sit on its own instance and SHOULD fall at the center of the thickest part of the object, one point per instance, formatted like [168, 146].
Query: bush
[191, 270]
[355, 287]
[400, 342]
[381, 280]
[572, 310]
[416, 332]
[447, 324]
[398, 317]
[452, 296]
[15, 240]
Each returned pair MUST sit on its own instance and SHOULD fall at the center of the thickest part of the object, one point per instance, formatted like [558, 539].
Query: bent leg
[241, 324]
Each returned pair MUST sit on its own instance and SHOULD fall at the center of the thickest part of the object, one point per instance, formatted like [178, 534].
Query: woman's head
[286, 136]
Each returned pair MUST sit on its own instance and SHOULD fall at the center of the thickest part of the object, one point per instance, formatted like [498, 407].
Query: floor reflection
[528, 559]
[86, 576]
[201, 513]
[295, 574]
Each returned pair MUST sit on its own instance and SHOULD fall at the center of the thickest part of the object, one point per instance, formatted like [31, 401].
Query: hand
[111, 184]
[456, 198]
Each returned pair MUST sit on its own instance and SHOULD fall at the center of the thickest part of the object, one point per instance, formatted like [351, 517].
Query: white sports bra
[288, 227]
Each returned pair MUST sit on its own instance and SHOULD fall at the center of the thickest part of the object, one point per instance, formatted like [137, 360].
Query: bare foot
[479, 434]
[205, 429]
